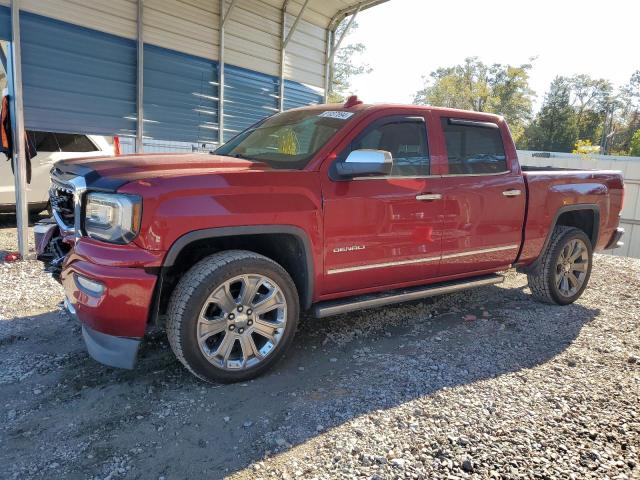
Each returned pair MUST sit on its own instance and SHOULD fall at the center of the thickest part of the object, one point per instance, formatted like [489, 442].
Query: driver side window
[405, 139]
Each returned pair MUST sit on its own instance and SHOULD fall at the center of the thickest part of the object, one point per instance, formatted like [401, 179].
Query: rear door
[383, 230]
[484, 197]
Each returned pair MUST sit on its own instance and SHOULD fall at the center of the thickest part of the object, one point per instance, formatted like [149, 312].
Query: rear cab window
[473, 148]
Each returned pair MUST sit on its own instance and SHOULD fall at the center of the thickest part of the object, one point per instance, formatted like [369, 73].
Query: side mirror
[365, 162]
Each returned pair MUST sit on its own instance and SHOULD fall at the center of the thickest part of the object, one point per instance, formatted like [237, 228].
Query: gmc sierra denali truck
[326, 209]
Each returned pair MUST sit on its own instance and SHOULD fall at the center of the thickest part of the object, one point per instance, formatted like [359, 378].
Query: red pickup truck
[326, 209]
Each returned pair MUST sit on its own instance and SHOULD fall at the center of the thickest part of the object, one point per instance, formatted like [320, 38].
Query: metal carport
[188, 70]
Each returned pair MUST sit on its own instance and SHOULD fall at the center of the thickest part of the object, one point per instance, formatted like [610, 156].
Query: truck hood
[110, 173]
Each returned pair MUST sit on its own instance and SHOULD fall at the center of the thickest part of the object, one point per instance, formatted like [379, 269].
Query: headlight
[113, 217]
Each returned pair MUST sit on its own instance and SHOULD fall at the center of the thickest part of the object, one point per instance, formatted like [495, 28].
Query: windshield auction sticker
[334, 114]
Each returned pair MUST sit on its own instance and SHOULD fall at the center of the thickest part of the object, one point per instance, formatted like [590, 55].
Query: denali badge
[350, 248]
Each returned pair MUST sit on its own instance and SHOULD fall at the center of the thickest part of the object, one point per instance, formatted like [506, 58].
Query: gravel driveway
[480, 384]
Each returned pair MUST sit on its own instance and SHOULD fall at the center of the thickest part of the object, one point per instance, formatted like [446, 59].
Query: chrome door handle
[512, 193]
[429, 197]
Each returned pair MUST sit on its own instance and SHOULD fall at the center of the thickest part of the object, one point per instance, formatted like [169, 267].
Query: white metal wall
[252, 34]
[117, 17]
[305, 55]
[630, 168]
[186, 26]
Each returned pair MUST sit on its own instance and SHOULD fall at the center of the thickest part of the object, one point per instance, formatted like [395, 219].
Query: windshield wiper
[238, 155]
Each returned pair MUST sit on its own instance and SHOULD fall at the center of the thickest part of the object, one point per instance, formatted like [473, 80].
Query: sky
[407, 39]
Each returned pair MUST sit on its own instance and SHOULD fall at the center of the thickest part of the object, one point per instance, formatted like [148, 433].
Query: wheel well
[584, 217]
[286, 249]
[585, 220]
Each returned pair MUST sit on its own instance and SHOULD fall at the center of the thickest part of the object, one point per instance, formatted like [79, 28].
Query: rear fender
[593, 208]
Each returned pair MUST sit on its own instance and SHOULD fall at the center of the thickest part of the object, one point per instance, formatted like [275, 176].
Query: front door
[381, 231]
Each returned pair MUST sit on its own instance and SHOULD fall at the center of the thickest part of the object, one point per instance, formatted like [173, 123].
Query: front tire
[564, 268]
[232, 316]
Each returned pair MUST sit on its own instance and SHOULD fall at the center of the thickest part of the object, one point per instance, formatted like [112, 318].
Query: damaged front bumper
[119, 352]
[51, 248]
[113, 305]
[111, 298]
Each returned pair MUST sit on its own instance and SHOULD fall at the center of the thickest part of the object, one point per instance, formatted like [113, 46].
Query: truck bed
[552, 192]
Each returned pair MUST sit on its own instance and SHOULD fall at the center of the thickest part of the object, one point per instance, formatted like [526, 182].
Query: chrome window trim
[505, 172]
[386, 177]
[422, 259]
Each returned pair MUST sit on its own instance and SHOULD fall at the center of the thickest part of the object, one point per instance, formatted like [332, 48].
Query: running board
[336, 307]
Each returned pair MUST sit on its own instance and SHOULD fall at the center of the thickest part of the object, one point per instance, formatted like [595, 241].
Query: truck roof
[373, 107]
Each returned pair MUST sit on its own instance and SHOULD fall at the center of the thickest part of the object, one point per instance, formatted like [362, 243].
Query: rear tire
[564, 268]
[232, 316]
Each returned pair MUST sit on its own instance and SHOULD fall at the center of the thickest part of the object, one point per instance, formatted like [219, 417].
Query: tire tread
[186, 287]
[539, 278]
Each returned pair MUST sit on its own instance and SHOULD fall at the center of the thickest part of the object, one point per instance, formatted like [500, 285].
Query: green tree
[626, 117]
[554, 128]
[344, 67]
[634, 148]
[591, 99]
[473, 85]
[585, 148]
[597, 113]
[462, 86]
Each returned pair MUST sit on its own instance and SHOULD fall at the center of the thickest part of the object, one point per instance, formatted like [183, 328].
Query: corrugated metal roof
[338, 9]
[100, 14]
[191, 26]
[322, 12]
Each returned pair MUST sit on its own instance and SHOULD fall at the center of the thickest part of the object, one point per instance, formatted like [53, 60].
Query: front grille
[61, 198]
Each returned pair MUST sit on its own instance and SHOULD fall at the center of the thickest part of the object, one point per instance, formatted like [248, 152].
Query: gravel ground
[480, 384]
[8, 238]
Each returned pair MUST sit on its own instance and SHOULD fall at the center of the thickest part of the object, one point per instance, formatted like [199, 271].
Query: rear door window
[43, 141]
[473, 147]
[70, 142]
[60, 142]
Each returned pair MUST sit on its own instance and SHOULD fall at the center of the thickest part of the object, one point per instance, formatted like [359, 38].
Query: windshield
[286, 140]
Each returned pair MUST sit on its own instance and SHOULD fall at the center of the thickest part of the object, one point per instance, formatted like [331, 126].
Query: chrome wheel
[572, 267]
[242, 321]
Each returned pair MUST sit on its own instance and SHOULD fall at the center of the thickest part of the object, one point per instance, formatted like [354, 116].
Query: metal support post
[284, 41]
[140, 80]
[224, 16]
[19, 155]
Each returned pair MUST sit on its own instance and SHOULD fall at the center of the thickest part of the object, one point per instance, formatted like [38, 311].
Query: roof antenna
[352, 101]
